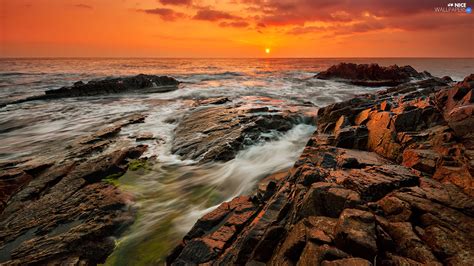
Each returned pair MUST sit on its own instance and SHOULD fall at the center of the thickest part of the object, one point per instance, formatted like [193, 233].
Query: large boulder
[217, 133]
[371, 75]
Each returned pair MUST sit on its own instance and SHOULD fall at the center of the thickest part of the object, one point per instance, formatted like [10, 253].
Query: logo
[454, 8]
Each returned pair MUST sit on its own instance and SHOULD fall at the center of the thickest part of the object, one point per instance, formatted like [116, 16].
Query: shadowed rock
[219, 132]
[371, 75]
[141, 83]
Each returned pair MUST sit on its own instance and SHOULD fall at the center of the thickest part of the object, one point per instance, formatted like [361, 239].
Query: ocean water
[171, 194]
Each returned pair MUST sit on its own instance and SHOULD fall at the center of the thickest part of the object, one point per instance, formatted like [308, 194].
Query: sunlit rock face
[386, 179]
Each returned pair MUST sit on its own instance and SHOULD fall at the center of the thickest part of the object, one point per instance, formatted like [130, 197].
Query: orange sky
[233, 28]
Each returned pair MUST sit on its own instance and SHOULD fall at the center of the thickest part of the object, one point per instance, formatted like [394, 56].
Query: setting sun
[267, 50]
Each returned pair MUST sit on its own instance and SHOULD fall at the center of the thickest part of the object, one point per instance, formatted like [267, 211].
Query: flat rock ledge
[372, 75]
[141, 83]
[386, 180]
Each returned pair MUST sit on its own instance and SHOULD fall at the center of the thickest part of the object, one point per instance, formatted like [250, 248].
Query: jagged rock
[314, 254]
[406, 200]
[328, 199]
[371, 75]
[408, 244]
[355, 233]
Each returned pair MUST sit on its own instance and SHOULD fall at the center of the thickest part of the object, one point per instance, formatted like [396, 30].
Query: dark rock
[314, 254]
[141, 83]
[217, 133]
[66, 214]
[371, 75]
[144, 83]
[347, 262]
[355, 233]
[328, 199]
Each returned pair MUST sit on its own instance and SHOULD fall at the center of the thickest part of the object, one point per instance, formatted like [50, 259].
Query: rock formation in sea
[141, 83]
[372, 75]
[387, 179]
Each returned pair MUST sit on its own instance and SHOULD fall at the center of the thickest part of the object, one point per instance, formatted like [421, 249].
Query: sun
[267, 50]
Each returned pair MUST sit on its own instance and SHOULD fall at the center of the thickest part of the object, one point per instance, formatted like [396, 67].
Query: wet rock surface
[215, 131]
[385, 180]
[64, 211]
[371, 75]
[141, 83]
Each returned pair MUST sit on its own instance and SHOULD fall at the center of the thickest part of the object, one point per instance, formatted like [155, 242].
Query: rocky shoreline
[385, 180]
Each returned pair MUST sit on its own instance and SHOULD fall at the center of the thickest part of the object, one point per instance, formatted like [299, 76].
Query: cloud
[299, 12]
[234, 24]
[84, 6]
[176, 2]
[164, 13]
[213, 15]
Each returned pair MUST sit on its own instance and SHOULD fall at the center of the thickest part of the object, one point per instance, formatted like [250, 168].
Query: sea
[173, 193]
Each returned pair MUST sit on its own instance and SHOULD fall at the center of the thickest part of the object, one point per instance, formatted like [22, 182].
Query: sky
[234, 28]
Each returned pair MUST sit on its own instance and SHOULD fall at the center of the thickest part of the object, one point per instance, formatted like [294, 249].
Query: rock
[371, 75]
[374, 182]
[461, 120]
[314, 254]
[62, 211]
[142, 83]
[409, 244]
[423, 160]
[347, 262]
[144, 136]
[328, 199]
[66, 213]
[355, 233]
[214, 101]
[216, 133]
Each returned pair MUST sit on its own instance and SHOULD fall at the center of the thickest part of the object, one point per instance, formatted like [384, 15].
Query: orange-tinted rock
[355, 233]
[347, 262]
[408, 244]
[314, 254]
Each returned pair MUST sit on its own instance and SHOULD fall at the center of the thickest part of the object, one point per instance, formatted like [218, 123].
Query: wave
[174, 196]
[199, 77]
